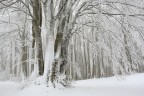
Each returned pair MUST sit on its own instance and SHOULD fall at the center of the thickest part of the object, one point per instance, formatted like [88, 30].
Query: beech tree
[64, 40]
[36, 31]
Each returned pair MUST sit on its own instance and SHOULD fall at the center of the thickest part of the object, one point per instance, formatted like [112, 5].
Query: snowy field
[114, 86]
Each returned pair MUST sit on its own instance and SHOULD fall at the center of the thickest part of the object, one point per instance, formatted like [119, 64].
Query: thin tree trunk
[24, 54]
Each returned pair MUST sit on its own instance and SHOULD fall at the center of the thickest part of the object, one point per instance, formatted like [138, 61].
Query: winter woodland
[59, 41]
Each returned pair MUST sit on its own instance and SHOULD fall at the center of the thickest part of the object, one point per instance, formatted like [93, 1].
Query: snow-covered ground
[8, 88]
[114, 86]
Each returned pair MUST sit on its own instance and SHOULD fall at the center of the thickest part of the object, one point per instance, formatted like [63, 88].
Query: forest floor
[132, 85]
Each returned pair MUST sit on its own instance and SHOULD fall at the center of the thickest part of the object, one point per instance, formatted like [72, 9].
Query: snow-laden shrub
[15, 78]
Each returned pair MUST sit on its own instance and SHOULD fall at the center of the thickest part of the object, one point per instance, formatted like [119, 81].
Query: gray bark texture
[36, 28]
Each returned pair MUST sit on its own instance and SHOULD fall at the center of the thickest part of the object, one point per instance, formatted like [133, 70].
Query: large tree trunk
[49, 55]
[36, 28]
[56, 52]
